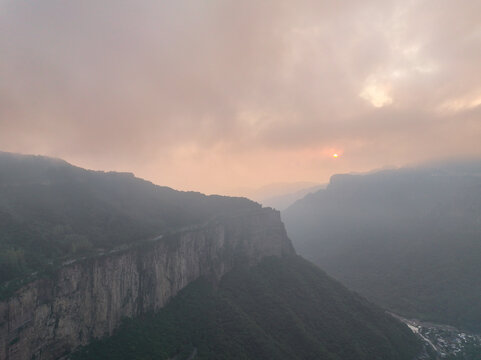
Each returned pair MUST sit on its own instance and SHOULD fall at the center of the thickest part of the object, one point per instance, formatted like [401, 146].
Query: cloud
[220, 95]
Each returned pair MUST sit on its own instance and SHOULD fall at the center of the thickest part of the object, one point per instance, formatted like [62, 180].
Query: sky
[224, 96]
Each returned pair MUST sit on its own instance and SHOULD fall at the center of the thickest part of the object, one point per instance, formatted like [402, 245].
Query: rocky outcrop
[87, 299]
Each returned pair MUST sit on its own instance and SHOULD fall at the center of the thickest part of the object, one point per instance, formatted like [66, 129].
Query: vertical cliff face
[88, 299]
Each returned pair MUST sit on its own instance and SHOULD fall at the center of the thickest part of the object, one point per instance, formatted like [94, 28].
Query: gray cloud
[217, 95]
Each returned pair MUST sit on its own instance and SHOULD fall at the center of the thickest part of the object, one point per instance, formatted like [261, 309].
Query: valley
[446, 341]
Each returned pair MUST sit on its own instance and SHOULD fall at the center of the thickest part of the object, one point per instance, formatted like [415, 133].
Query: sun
[335, 156]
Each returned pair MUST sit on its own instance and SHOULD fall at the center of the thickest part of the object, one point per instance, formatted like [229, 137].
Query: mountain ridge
[104, 247]
[408, 239]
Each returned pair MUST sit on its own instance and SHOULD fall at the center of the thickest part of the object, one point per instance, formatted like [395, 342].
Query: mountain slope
[51, 211]
[280, 309]
[107, 246]
[408, 239]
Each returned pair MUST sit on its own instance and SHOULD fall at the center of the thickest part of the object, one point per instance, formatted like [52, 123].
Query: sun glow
[335, 155]
[377, 95]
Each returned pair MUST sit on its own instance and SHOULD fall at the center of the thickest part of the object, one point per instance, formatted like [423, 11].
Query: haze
[220, 96]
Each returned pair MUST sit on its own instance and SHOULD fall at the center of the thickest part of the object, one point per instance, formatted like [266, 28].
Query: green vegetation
[409, 240]
[51, 212]
[471, 350]
[281, 309]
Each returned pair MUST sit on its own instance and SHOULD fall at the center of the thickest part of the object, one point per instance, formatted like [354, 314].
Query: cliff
[282, 308]
[87, 299]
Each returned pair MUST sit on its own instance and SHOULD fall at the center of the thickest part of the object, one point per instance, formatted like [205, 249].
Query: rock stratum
[87, 299]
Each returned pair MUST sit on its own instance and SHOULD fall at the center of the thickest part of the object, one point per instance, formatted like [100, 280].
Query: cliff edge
[87, 299]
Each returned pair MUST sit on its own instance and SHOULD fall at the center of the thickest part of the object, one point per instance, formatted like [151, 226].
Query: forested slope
[408, 239]
[280, 309]
[51, 211]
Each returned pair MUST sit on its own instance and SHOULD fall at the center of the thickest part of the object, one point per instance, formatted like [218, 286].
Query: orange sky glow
[229, 96]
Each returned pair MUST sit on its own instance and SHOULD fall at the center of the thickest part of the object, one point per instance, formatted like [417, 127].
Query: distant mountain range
[192, 276]
[408, 239]
[280, 195]
[283, 201]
